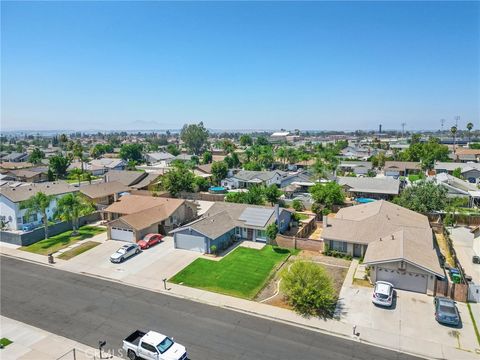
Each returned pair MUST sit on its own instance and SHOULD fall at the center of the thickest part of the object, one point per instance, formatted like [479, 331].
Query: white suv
[383, 293]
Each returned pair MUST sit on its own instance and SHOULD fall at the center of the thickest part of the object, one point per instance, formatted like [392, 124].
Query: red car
[150, 240]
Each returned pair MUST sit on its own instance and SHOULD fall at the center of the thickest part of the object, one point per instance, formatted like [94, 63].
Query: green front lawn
[57, 242]
[242, 273]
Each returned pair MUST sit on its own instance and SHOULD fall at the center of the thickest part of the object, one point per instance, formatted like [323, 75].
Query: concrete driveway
[145, 269]
[462, 240]
[411, 319]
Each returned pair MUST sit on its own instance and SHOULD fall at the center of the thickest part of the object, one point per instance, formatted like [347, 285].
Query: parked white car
[124, 253]
[383, 293]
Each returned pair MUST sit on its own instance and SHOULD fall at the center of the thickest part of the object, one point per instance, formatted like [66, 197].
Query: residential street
[86, 309]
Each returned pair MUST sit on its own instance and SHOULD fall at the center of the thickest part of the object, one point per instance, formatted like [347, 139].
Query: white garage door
[190, 242]
[403, 280]
[122, 234]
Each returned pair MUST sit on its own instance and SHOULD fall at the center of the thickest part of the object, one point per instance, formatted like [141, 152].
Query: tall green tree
[207, 157]
[77, 174]
[72, 206]
[195, 137]
[38, 204]
[328, 194]
[246, 140]
[129, 152]
[178, 179]
[36, 156]
[219, 171]
[272, 194]
[423, 196]
[469, 129]
[59, 165]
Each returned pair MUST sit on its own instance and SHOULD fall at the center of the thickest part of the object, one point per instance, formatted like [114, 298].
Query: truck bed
[134, 338]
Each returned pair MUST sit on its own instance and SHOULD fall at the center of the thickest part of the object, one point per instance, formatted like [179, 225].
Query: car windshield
[165, 345]
[447, 310]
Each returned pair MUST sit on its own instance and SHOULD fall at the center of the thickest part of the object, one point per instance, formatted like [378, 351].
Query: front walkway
[30, 343]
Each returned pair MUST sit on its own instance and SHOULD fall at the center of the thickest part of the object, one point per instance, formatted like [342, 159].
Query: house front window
[238, 232]
[30, 219]
[261, 234]
[338, 246]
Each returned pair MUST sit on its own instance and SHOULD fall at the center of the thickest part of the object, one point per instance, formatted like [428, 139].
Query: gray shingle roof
[386, 185]
[23, 193]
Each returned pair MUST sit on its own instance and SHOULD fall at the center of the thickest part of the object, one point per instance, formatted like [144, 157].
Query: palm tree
[77, 173]
[70, 207]
[453, 130]
[469, 128]
[38, 203]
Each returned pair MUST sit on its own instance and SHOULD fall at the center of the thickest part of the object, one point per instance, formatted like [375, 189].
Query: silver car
[124, 253]
[383, 293]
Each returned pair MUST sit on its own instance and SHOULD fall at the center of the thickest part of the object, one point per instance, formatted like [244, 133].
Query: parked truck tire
[131, 354]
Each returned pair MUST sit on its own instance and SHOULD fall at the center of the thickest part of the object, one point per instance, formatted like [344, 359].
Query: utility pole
[403, 129]
[442, 122]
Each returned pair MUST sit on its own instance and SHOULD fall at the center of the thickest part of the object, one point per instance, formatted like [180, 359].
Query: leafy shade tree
[72, 206]
[179, 179]
[272, 194]
[38, 203]
[59, 165]
[426, 153]
[246, 140]
[129, 152]
[173, 149]
[100, 149]
[207, 157]
[262, 140]
[457, 172]
[219, 171]
[201, 184]
[232, 160]
[36, 156]
[423, 196]
[271, 232]
[328, 194]
[309, 289]
[297, 205]
[195, 137]
[253, 196]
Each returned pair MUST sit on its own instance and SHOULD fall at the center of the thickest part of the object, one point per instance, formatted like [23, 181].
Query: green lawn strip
[242, 273]
[475, 327]
[60, 241]
[4, 342]
[67, 255]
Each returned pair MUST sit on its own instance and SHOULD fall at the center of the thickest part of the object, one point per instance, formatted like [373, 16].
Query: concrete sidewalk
[33, 343]
[366, 334]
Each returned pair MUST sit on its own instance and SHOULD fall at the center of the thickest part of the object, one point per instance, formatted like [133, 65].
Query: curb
[228, 307]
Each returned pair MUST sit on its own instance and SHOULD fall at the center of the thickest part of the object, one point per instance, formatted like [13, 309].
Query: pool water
[217, 188]
[364, 200]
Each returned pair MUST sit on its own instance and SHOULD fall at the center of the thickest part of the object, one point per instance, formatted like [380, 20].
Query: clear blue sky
[313, 65]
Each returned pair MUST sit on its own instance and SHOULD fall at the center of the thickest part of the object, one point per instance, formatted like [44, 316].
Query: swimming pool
[217, 189]
[364, 200]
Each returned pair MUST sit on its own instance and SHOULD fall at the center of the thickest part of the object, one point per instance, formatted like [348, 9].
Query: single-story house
[457, 187]
[401, 168]
[356, 167]
[15, 157]
[134, 216]
[104, 194]
[397, 243]
[245, 178]
[31, 175]
[224, 222]
[11, 199]
[370, 187]
[469, 170]
[126, 177]
[204, 170]
[159, 158]
[465, 155]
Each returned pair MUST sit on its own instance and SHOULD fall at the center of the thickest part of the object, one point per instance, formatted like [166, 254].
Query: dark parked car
[446, 311]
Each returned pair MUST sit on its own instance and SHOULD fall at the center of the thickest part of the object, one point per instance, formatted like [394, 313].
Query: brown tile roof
[462, 151]
[131, 204]
[402, 165]
[146, 181]
[15, 165]
[145, 218]
[23, 193]
[127, 178]
[374, 224]
[103, 189]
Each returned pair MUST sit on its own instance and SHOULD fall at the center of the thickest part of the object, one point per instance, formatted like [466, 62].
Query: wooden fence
[293, 242]
[457, 292]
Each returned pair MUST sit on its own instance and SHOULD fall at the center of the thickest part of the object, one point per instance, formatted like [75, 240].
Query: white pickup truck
[153, 346]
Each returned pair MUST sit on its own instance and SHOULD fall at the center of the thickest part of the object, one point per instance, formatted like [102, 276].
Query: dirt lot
[337, 269]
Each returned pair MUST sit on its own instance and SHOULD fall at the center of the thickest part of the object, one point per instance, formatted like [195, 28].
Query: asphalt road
[87, 309]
